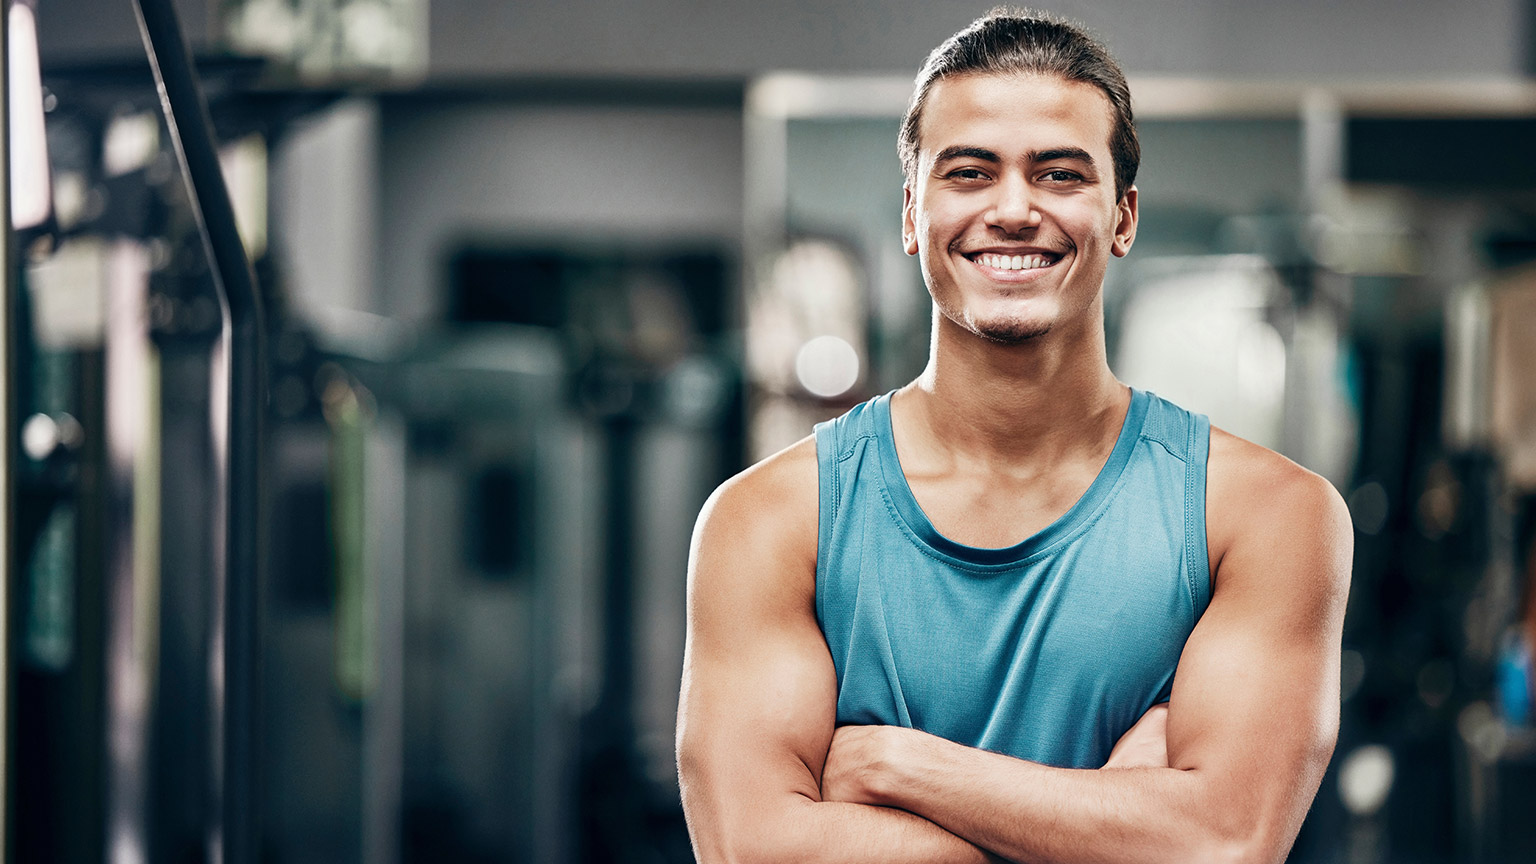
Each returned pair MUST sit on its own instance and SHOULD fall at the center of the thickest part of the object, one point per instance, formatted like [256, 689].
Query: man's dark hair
[1025, 42]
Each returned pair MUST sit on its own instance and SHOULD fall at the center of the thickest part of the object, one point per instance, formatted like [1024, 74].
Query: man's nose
[1013, 205]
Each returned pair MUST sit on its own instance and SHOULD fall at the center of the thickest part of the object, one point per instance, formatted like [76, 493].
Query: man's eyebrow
[966, 151]
[962, 151]
[1076, 154]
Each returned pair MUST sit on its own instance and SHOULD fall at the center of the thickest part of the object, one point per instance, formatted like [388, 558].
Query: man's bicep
[1255, 699]
[758, 699]
[759, 691]
[1249, 692]
[757, 721]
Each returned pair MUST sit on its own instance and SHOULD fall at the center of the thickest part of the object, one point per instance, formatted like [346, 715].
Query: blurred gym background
[379, 556]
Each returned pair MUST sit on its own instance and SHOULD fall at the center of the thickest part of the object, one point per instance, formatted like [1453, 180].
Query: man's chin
[1010, 332]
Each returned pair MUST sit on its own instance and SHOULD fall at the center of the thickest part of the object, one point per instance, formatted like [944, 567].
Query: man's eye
[967, 174]
[1061, 175]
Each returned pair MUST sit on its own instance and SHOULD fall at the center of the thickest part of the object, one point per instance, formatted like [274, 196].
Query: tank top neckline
[900, 496]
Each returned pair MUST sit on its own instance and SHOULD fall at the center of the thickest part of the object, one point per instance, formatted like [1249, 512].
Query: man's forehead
[959, 104]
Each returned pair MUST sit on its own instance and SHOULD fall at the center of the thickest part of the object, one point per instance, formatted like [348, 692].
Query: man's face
[1012, 209]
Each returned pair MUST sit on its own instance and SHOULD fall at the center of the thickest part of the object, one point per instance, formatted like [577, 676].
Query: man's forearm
[1024, 811]
[1031, 812]
[834, 832]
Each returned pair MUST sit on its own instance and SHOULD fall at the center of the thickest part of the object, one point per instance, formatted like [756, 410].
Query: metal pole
[233, 645]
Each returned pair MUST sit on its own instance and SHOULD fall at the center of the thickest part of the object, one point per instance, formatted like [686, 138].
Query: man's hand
[860, 760]
[1145, 745]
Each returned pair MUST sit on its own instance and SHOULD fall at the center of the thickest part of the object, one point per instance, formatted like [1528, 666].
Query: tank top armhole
[1199, 557]
[826, 505]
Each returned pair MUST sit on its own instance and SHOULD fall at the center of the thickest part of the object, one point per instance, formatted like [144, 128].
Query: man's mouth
[998, 261]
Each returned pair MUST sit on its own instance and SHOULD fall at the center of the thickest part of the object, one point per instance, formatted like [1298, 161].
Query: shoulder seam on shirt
[1191, 528]
[1172, 451]
[848, 450]
[837, 473]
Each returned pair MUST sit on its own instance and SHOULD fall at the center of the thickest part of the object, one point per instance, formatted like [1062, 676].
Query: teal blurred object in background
[1515, 681]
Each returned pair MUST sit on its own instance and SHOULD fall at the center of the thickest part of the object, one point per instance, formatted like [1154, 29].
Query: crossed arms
[767, 777]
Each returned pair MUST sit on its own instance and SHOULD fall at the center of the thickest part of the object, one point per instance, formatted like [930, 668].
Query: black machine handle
[233, 636]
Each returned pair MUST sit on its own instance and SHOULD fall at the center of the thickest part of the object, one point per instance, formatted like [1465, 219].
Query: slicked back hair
[1025, 42]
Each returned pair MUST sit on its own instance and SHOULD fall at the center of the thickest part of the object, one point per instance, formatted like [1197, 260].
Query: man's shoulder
[1247, 475]
[785, 481]
[767, 511]
[1256, 497]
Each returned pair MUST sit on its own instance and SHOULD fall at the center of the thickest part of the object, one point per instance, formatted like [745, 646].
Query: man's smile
[1013, 264]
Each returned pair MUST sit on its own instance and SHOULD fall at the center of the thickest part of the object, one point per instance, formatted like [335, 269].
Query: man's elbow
[726, 847]
[1256, 846]
[738, 833]
[1225, 849]
[749, 844]
[734, 841]
[1257, 823]
[742, 847]
[1255, 835]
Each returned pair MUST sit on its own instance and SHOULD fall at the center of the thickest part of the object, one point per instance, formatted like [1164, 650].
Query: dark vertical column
[86, 698]
[235, 417]
[609, 809]
[188, 495]
[618, 696]
[608, 791]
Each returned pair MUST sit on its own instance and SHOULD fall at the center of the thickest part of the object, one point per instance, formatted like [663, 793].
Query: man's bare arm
[759, 691]
[1251, 724]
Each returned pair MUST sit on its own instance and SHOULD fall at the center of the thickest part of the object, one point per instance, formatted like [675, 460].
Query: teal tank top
[1048, 650]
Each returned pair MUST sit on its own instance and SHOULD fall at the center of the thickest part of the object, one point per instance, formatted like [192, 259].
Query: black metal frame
[233, 638]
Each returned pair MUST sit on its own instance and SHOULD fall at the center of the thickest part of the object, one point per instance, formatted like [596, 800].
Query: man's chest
[992, 511]
[1051, 661]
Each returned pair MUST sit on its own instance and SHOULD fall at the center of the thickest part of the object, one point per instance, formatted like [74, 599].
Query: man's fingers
[1145, 744]
[1157, 715]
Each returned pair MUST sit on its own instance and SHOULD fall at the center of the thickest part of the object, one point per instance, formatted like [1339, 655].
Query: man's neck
[1015, 405]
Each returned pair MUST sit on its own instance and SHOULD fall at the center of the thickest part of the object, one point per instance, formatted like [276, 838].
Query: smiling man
[1014, 609]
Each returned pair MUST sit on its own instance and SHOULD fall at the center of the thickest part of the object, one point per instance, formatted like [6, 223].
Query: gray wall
[1245, 38]
[324, 208]
[71, 30]
[498, 171]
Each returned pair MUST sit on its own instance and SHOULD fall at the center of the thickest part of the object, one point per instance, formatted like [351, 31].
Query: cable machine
[106, 468]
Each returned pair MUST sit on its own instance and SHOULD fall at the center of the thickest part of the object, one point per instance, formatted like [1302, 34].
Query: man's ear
[908, 220]
[1125, 225]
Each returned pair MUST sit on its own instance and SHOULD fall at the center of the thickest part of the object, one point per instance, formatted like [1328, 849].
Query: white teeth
[1012, 262]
